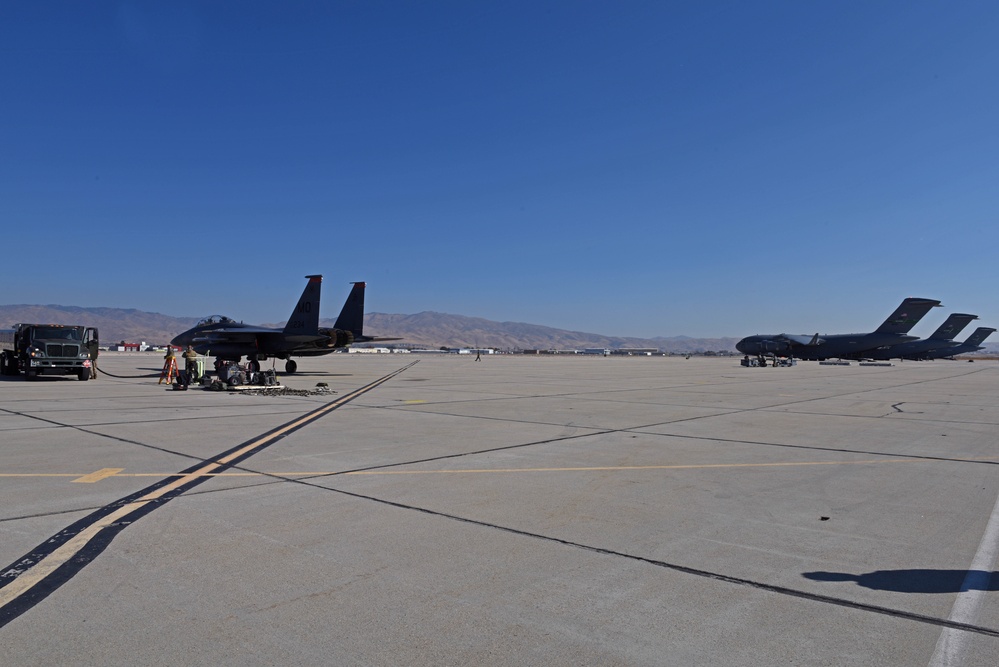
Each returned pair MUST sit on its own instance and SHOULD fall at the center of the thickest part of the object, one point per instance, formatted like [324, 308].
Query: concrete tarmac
[513, 511]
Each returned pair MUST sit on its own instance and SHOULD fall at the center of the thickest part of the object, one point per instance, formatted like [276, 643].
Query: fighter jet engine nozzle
[337, 337]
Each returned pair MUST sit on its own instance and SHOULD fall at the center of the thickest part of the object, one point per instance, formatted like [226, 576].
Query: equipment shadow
[916, 580]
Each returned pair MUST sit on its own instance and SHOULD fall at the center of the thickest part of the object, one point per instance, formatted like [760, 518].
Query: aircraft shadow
[916, 580]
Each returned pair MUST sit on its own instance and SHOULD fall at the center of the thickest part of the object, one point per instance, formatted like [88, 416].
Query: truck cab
[47, 349]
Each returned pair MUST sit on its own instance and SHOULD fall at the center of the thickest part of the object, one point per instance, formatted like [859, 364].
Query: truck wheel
[31, 374]
[84, 374]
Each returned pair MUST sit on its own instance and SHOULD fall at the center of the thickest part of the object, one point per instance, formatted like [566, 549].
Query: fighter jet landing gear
[290, 366]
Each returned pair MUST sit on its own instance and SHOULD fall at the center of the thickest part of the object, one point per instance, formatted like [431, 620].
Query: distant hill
[115, 324]
[432, 329]
[427, 329]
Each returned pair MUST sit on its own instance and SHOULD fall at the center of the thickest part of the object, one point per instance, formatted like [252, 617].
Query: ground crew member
[191, 363]
[94, 350]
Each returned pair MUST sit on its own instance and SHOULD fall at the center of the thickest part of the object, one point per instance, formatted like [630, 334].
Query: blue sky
[626, 168]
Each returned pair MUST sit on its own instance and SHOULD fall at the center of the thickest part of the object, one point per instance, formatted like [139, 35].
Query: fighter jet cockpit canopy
[216, 319]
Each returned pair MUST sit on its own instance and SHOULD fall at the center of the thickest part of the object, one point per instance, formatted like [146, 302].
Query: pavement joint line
[35, 576]
[87, 430]
[598, 431]
[707, 574]
[720, 577]
[985, 459]
[686, 386]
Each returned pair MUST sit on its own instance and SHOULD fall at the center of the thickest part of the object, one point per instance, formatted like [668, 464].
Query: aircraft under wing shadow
[224, 338]
[892, 331]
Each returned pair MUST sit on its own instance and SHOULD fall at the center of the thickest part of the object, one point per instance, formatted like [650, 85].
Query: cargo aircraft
[972, 344]
[917, 349]
[228, 340]
[893, 331]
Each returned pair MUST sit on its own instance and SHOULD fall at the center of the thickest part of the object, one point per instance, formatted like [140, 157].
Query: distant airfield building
[129, 347]
[457, 350]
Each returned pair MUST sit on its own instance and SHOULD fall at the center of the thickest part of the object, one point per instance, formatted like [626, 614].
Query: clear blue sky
[627, 168]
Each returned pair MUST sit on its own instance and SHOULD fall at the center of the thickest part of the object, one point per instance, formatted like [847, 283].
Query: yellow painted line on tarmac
[412, 402]
[28, 579]
[39, 474]
[207, 471]
[29, 573]
[98, 475]
[53, 561]
[691, 466]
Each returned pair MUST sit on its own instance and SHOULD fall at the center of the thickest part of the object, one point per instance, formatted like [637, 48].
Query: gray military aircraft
[228, 340]
[972, 344]
[894, 330]
[917, 349]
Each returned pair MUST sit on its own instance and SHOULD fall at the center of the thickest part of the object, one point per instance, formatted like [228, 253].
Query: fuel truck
[46, 349]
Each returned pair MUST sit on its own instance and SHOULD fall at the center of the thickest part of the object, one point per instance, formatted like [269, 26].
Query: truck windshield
[55, 333]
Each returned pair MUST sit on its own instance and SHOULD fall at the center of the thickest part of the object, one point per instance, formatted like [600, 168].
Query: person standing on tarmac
[191, 363]
[94, 351]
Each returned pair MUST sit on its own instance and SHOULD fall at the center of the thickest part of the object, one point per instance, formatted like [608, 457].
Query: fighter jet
[226, 339]
[917, 349]
[972, 344]
[828, 346]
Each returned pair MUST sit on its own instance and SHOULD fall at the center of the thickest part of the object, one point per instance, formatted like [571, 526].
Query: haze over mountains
[426, 329]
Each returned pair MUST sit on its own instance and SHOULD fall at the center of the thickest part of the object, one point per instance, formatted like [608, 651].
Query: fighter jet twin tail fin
[304, 320]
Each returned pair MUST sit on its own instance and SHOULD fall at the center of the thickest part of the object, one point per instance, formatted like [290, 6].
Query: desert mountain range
[422, 330]
[426, 329]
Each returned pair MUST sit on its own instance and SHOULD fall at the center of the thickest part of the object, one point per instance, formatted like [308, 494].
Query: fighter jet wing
[375, 339]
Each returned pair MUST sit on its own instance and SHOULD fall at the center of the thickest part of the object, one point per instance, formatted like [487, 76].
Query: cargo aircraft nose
[748, 345]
